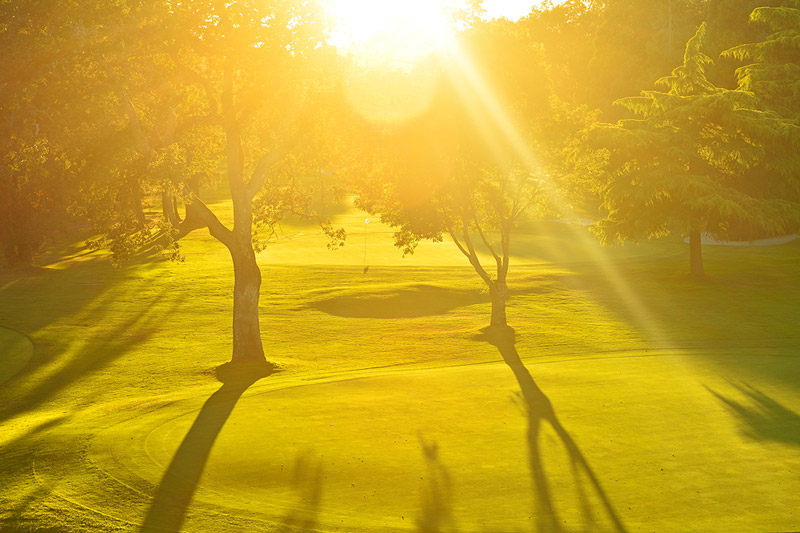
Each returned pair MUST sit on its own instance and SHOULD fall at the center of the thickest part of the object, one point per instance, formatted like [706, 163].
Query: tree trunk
[248, 352]
[695, 254]
[25, 253]
[9, 252]
[169, 210]
[17, 252]
[247, 347]
[137, 205]
[498, 292]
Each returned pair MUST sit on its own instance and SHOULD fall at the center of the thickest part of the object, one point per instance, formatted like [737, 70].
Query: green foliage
[689, 158]
[567, 31]
[37, 124]
[33, 195]
[484, 155]
[773, 69]
[636, 41]
[157, 82]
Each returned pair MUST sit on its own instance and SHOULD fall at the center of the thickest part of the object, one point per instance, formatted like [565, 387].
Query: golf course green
[628, 396]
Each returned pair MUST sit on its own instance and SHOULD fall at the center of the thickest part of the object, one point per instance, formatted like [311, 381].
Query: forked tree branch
[262, 168]
[470, 253]
[487, 243]
[217, 229]
[455, 240]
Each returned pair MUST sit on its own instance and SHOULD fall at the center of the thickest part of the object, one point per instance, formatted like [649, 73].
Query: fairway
[16, 350]
[450, 447]
[643, 409]
[433, 266]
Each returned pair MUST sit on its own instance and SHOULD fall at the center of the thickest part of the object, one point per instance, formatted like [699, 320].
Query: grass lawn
[632, 397]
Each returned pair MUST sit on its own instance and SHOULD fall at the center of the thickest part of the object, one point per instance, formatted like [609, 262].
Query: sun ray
[480, 94]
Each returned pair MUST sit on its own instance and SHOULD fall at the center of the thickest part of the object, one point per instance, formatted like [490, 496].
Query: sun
[393, 32]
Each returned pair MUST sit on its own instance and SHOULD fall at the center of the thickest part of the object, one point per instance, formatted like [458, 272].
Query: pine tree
[686, 160]
[773, 73]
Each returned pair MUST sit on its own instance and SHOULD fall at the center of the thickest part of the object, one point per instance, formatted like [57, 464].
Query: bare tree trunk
[25, 252]
[137, 205]
[247, 347]
[18, 251]
[695, 254]
[168, 208]
[9, 252]
[498, 291]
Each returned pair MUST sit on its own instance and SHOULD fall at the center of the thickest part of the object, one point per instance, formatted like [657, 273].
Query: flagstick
[366, 221]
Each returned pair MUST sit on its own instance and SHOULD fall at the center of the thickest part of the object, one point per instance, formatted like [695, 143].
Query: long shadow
[29, 303]
[539, 410]
[732, 318]
[79, 293]
[765, 418]
[436, 513]
[177, 487]
[16, 397]
[307, 477]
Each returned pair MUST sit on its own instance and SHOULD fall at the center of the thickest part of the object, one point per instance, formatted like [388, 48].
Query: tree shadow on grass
[174, 494]
[307, 477]
[540, 410]
[31, 303]
[97, 353]
[764, 418]
[436, 515]
[409, 302]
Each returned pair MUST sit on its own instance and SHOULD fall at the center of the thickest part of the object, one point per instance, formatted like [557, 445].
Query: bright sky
[406, 30]
[510, 9]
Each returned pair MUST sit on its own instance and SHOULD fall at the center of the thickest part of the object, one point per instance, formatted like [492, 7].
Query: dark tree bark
[9, 253]
[498, 288]
[137, 203]
[695, 254]
[19, 249]
[247, 346]
[25, 252]
[169, 209]
[498, 291]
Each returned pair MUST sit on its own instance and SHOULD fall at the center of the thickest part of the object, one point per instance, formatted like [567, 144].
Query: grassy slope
[647, 370]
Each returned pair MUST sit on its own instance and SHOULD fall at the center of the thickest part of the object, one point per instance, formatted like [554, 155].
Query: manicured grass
[17, 350]
[390, 411]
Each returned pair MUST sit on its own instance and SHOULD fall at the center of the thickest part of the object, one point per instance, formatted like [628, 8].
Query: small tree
[466, 168]
[685, 160]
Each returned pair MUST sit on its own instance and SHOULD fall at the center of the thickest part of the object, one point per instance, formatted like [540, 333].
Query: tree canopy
[773, 69]
[480, 158]
[686, 161]
[186, 96]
